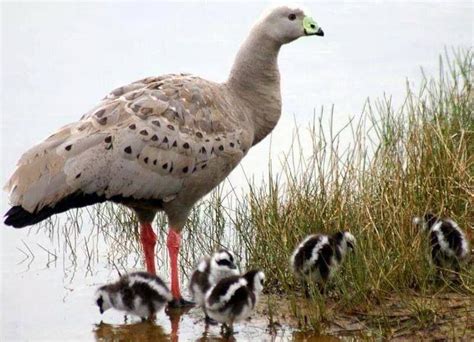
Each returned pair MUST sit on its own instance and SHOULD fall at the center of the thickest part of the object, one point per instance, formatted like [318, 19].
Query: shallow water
[46, 299]
[58, 59]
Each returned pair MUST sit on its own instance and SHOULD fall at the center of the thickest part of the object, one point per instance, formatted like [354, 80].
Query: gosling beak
[351, 246]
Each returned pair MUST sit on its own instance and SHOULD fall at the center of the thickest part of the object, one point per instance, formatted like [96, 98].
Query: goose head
[285, 24]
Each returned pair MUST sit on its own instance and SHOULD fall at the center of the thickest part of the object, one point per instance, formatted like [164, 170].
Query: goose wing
[145, 140]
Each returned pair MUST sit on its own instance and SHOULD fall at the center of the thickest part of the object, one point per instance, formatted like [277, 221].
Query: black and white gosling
[448, 243]
[319, 256]
[233, 299]
[139, 293]
[208, 273]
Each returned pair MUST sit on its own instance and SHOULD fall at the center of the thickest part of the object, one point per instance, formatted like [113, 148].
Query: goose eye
[292, 16]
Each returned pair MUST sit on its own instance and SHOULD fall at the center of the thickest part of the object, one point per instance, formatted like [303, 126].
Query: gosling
[139, 293]
[318, 257]
[233, 299]
[208, 273]
[448, 243]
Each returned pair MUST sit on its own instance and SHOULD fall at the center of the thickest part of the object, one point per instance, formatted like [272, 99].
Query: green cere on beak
[311, 27]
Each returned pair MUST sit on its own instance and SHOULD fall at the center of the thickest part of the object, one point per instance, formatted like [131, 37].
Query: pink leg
[174, 239]
[173, 242]
[148, 240]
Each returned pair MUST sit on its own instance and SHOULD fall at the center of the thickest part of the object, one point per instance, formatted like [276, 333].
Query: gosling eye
[292, 16]
[225, 262]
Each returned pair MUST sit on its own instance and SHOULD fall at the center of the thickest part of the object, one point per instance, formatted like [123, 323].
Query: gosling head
[223, 263]
[350, 240]
[255, 280]
[102, 299]
[426, 221]
[345, 240]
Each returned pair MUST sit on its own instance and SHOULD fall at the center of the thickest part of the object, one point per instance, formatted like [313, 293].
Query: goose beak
[311, 28]
[320, 32]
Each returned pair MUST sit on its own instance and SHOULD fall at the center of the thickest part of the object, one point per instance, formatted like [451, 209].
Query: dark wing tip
[18, 217]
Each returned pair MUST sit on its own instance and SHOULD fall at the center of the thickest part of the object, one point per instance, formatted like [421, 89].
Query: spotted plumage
[139, 293]
[448, 243]
[111, 172]
[233, 299]
[319, 256]
[209, 272]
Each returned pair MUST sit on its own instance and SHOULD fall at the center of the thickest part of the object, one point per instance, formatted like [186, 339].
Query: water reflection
[206, 337]
[141, 331]
[149, 330]
[175, 317]
[299, 336]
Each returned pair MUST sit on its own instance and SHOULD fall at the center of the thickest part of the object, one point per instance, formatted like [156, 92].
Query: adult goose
[161, 143]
